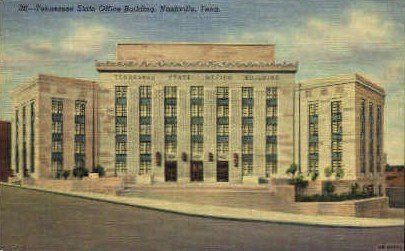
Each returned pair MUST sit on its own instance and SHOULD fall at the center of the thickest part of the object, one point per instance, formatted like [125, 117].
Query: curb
[225, 213]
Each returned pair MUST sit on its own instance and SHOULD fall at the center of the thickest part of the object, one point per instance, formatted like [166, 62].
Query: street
[32, 220]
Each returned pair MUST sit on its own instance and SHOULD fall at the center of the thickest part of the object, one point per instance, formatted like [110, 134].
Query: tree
[292, 169]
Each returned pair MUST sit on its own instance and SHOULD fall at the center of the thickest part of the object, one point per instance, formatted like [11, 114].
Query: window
[197, 110]
[379, 138]
[170, 104]
[145, 147]
[121, 113]
[363, 136]
[271, 130]
[196, 92]
[145, 110]
[24, 163]
[223, 148]
[371, 137]
[313, 152]
[170, 129]
[222, 92]
[247, 130]
[336, 135]
[223, 111]
[222, 130]
[80, 134]
[145, 130]
[32, 138]
[196, 129]
[17, 149]
[170, 110]
[145, 92]
[57, 136]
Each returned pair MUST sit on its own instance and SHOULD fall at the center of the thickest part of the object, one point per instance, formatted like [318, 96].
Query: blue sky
[326, 37]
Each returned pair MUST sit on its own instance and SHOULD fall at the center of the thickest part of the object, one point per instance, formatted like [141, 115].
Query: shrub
[355, 188]
[299, 181]
[292, 169]
[333, 197]
[59, 174]
[80, 172]
[340, 173]
[329, 188]
[328, 172]
[66, 174]
[313, 174]
[100, 170]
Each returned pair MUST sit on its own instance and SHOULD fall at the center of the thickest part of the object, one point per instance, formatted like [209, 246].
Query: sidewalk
[230, 213]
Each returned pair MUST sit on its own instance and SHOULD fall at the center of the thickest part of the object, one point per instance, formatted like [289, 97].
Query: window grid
[363, 136]
[32, 137]
[80, 134]
[170, 93]
[371, 137]
[145, 111]
[379, 138]
[271, 130]
[17, 158]
[24, 138]
[121, 113]
[57, 137]
[336, 135]
[313, 150]
[222, 94]
[247, 146]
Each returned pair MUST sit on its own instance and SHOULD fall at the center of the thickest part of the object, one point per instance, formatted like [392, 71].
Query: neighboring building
[204, 112]
[394, 175]
[53, 126]
[341, 127]
[5, 150]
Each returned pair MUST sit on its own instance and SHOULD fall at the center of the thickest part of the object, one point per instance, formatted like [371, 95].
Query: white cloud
[85, 40]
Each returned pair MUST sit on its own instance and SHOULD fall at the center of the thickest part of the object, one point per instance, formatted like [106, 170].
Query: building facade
[196, 112]
[53, 126]
[5, 150]
[341, 127]
[202, 113]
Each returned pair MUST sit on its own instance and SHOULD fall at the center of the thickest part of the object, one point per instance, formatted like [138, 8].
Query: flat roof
[176, 52]
[342, 79]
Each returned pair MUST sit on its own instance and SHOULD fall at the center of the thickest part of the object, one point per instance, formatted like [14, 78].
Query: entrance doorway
[196, 171]
[222, 171]
[171, 170]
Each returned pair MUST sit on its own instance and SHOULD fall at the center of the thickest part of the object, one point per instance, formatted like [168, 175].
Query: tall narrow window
[336, 135]
[17, 145]
[32, 138]
[24, 138]
[222, 121]
[363, 136]
[271, 130]
[121, 114]
[80, 134]
[313, 136]
[379, 138]
[170, 122]
[57, 137]
[371, 138]
[196, 127]
[247, 130]
[145, 122]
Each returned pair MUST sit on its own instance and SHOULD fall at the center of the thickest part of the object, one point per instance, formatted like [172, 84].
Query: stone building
[341, 126]
[5, 150]
[53, 125]
[202, 113]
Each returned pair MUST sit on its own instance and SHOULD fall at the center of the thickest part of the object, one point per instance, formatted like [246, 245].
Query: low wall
[101, 185]
[372, 207]
[396, 196]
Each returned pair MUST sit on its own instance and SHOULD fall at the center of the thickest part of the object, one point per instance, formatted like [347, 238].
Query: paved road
[31, 220]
